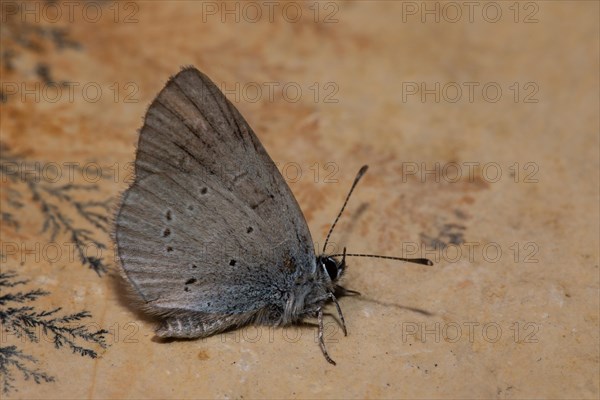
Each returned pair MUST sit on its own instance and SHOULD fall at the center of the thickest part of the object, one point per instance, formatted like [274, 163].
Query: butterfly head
[332, 268]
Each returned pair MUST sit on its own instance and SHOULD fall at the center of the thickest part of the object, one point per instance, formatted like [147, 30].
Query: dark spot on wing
[190, 281]
[250, 229]
[191, 207]
[166, 232]
[232, 263]
[168, 215]
[187, 289]
[169, 249]
[203, 190]
[194, 266]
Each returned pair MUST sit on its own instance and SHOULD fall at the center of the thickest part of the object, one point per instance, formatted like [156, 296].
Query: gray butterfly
[209, 235]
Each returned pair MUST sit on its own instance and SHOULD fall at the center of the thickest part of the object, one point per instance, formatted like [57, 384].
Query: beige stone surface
[523, 324]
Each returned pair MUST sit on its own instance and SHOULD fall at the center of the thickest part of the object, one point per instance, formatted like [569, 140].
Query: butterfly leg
[339, 310]
[321, 340]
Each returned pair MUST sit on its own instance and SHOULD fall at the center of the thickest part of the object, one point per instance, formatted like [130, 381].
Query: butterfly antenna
[361, 172]
[423, 261]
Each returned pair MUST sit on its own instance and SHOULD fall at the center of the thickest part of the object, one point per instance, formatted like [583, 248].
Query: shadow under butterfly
[209, 235]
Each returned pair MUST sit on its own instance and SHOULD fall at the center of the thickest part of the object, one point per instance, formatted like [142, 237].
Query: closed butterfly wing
[209, 227]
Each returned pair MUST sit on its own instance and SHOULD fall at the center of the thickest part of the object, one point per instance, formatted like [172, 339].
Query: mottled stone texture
[455, 166]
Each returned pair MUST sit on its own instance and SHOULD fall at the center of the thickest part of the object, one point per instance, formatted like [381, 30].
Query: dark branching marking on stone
[190, 281]
[55, 200]
[191, 207]
[194, 266]
[68, 332]
[250, 229]
[168, 215]
[187, 289]
[166, 232]
[169, 249]
[203, 190]
[232, 263]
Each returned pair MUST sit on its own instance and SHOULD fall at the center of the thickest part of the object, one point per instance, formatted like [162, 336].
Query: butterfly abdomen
[200, 325]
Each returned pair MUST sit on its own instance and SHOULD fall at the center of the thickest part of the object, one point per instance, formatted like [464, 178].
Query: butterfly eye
[331, 267]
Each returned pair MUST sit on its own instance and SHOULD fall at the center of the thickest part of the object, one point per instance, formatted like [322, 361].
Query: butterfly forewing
[209, 222]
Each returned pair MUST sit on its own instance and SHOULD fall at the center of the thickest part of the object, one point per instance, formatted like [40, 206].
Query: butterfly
[209, 235]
